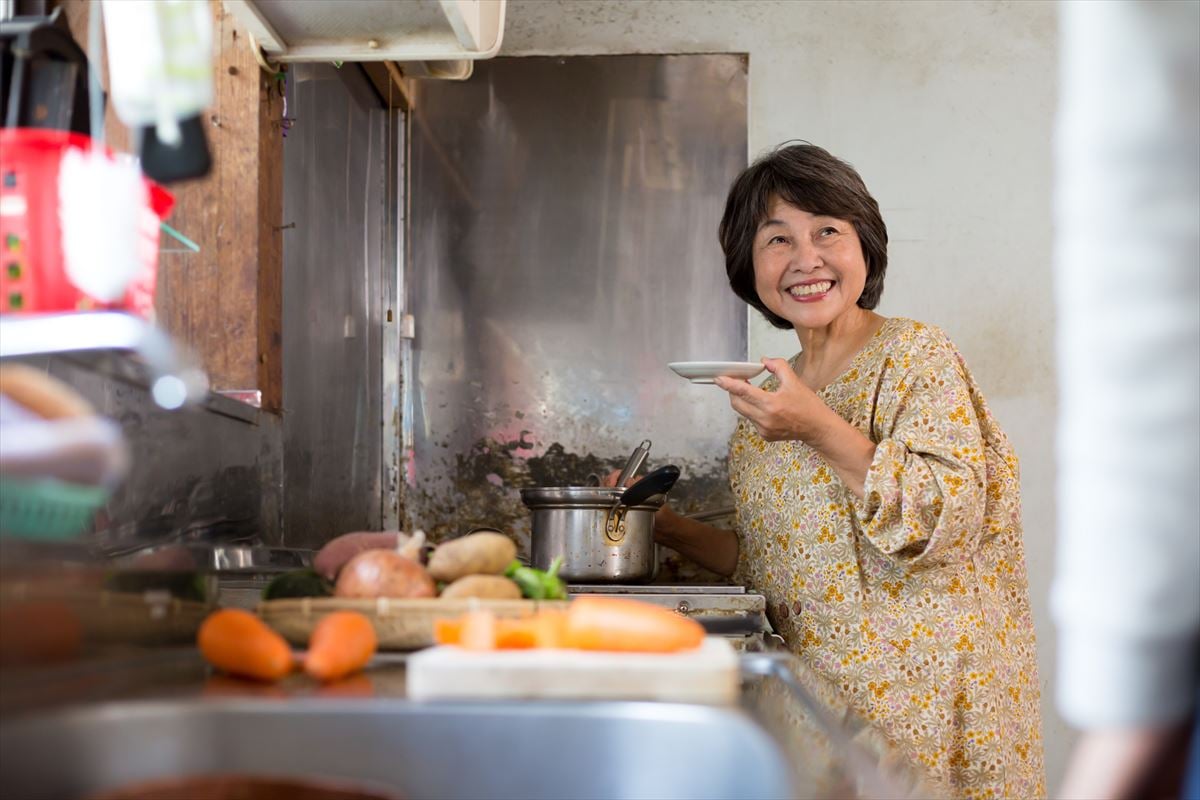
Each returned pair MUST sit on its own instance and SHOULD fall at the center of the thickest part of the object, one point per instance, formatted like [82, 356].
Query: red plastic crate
[33, 276]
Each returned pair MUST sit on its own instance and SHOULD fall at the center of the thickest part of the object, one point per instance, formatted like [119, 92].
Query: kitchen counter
[159, 713]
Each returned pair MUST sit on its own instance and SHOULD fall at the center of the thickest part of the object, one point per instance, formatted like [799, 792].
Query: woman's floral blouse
[914, 600]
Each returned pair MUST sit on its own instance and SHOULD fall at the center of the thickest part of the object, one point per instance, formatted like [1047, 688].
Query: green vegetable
[536, 584]
[299, 583]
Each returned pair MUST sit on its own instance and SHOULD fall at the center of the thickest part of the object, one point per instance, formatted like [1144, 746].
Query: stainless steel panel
[396, 339]
[224, 558]
[467, 750]
[564, 250]
[210, 471]
[337, 184]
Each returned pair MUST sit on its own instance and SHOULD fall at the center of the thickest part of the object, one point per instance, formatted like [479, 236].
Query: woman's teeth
[809, 289]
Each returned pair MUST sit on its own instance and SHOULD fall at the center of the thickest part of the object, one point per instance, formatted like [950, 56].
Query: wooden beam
[226, 302]
[390, 83]
[270, 242]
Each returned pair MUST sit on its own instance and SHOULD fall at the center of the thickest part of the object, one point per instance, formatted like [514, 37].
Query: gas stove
[728, 611]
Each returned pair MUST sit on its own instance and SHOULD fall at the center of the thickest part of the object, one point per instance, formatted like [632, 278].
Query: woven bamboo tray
[400, 624]
[106, 617]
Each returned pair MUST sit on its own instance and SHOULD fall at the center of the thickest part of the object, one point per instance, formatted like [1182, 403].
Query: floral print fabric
[914, 600]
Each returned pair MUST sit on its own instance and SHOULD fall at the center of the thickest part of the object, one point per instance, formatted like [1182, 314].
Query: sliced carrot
[550, 628]
[516, 634]
[341, 644]
[478, 631]
[447, 631]
[237, 642]
[614, 623]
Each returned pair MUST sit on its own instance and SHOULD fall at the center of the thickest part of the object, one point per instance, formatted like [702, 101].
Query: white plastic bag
[160, 57]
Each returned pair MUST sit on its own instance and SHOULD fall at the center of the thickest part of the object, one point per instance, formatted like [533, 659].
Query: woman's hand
[794, 412]
[610, 479]
[791, 412]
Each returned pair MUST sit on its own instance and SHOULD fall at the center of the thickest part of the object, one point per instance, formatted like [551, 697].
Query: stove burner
[642, 588]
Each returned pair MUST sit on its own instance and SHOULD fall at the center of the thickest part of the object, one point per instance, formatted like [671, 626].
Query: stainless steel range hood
[436, 38]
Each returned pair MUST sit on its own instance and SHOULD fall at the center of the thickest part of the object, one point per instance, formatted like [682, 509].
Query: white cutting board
[708, 674]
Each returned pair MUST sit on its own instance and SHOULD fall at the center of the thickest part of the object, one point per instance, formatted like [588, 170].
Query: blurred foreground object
[45, 76]
[59, 461]
[160, 57]
[79, 225]
[1127, 592]
[173, 377]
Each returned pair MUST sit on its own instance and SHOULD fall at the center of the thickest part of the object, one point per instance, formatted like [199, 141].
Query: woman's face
[808, 269]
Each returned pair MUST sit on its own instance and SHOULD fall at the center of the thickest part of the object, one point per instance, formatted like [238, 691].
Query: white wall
[946, 109]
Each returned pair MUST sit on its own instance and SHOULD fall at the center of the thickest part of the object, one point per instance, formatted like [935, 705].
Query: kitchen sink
[435, 750]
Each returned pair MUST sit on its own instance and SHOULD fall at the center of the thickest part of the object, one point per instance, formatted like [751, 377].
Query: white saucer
[705, 371]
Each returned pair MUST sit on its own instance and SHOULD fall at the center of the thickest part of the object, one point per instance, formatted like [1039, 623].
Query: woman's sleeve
[924, 496]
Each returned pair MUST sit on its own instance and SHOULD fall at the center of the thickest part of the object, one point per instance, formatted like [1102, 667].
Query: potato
[483, 553]
[383, 573]
[487, 587]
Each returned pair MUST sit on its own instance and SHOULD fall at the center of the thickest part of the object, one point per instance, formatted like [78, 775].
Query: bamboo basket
[400, 624]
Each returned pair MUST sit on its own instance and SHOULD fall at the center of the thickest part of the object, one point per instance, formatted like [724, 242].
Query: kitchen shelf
[175, 377]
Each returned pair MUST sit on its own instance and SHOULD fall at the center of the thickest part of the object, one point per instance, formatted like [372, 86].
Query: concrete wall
[946, 109]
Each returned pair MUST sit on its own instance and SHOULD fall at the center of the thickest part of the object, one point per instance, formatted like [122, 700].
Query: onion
[383, 573]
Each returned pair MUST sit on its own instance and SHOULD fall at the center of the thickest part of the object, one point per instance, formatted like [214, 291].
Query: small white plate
[705, 371]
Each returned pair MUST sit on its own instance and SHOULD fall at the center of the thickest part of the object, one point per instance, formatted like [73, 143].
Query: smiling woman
[878, 502]
[801, 191]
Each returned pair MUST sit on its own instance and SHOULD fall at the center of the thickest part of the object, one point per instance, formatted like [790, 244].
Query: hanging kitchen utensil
[659, 481]
[636, 459]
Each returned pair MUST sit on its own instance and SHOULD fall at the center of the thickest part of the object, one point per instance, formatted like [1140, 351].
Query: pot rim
[582, 497]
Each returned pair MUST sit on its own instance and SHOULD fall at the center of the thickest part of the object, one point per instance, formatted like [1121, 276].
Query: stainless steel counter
[67, 731]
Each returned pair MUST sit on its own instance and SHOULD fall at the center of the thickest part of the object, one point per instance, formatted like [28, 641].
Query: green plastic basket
[47, 509]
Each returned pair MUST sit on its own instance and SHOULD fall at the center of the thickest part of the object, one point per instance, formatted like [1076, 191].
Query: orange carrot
[550, 627]
[614, 623]
[479, 631]
[510, 634]
[447, 631]
[342, 643]
[516, 634]
[236, 641]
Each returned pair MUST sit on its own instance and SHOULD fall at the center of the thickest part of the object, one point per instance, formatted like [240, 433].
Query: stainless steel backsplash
[563, 251]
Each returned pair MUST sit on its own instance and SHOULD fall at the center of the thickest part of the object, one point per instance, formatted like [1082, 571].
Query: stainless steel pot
[604, 535]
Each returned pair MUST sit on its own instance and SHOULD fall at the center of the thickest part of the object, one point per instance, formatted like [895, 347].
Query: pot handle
[659, 481]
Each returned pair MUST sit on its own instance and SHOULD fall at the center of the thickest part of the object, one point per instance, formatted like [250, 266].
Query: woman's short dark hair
[812, 180]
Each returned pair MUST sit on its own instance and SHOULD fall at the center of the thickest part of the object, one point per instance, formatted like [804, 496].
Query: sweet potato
[488, 587]
[482, 553]
[383, 573]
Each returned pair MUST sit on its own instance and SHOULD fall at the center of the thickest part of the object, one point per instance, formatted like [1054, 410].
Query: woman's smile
[813, 291]
[809, 268]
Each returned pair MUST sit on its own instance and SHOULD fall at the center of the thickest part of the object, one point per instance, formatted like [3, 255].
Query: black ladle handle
[659, 481]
